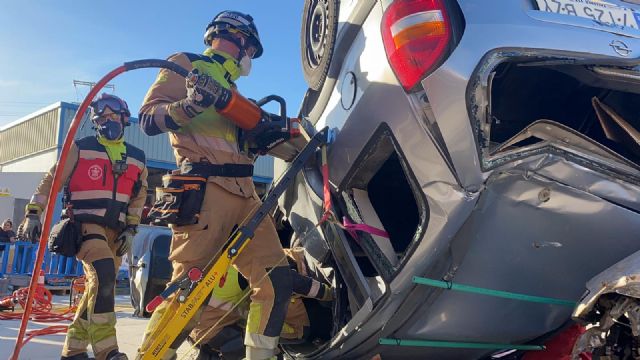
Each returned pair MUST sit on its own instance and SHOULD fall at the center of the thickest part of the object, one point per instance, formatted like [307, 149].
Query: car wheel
[317, 37]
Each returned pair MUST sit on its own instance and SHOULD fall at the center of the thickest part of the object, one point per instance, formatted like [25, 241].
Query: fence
[18, 259]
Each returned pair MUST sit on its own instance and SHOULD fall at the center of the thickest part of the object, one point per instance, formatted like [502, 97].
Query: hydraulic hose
[57, 178]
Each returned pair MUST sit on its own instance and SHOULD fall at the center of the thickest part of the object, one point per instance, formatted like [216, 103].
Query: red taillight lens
[415, 35]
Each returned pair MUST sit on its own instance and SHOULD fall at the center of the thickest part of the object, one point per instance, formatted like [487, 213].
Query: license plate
[597, 10]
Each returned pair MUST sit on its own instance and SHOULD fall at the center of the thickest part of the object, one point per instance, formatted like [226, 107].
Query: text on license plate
[599, 11]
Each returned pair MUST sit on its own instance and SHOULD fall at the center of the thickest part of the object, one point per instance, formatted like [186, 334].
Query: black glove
[202, 92]
[267, 134]
[126, 240]
[30, 228]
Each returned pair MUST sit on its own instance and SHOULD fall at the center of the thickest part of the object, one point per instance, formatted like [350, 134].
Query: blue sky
[46, 44]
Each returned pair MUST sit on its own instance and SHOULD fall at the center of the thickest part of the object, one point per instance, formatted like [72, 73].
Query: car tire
[317, 39]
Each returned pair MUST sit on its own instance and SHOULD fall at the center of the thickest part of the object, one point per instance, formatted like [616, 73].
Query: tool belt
[180, 198]
[225, 170]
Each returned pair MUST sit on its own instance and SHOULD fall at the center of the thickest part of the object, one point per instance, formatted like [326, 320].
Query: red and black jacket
[97, 193]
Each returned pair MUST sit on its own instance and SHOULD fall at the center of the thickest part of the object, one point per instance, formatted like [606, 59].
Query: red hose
[41, 307]
[57, 181]
[55, 188]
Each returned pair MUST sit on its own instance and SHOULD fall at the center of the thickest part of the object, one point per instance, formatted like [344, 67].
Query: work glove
[202, 92]
[30, 228]
[266, 135]
[126, 240]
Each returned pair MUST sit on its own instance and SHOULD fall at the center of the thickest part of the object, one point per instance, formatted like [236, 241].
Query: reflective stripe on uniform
[220, 304]
[217, 143]
[260, 341]
[315, 287]
[93, 154]
[39, 199]
[97, 212]
[97, 194]
[135, 162]
[106, 344]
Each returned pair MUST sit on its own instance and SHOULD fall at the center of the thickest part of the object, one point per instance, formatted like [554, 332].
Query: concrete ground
[129, 330]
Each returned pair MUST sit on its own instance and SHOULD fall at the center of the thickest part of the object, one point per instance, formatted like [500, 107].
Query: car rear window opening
[601, 103]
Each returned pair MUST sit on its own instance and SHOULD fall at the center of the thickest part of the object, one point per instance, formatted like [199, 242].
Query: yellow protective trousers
[95, 320]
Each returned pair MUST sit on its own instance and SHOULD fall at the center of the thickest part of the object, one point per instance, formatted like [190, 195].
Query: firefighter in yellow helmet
[105, 189]
[211, 145]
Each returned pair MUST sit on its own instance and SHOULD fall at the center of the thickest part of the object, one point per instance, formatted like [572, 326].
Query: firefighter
[105, 191]
[224, 339]
[211, 145]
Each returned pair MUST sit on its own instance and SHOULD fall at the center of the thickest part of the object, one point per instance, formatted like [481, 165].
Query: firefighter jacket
[206, 137]
[97, 193]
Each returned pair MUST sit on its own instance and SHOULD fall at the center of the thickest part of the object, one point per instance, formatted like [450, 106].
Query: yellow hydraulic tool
[194, 288]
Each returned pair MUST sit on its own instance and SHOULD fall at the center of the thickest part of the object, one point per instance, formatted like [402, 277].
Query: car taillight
[415, 35]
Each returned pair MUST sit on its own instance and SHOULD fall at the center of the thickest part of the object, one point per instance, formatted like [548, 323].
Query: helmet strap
[227, 36]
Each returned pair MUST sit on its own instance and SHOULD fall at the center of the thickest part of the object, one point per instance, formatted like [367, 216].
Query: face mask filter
[110, 129]
[245, 65]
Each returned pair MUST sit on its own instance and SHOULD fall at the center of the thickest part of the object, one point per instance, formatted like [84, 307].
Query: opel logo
[620, 48]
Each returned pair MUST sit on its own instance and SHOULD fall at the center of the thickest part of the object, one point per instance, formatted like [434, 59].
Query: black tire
[317, 39]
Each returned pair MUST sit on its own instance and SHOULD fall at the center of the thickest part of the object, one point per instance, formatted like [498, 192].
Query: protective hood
[115, 148]
[230, 65]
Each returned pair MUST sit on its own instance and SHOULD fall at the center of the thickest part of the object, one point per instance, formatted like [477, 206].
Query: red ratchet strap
[351, 228]
[325, 186]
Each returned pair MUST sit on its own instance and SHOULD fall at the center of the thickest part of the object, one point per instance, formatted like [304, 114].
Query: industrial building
[31, 145]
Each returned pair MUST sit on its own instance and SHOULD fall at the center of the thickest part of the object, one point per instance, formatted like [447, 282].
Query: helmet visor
[113, 104]
[248, 42]
[103, 118]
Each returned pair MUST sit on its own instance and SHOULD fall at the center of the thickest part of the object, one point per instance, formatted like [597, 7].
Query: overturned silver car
[496, 142]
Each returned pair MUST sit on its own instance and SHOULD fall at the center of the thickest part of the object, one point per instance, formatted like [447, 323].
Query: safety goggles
[114, 105]
[246, 40]
[103, 118]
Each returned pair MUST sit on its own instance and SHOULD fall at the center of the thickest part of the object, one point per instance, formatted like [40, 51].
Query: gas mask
[245, 65]
[110, 129]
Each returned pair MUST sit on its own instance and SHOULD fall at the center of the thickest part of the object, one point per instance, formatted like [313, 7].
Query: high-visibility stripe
[93, 154]
[72, 344]
[135, 162]
[105, 344]
[38, 199]
[97, 212]
[220, 304]
[315, 287]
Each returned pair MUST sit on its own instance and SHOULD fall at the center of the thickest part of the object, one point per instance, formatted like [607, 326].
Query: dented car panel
[612, 300]
[623, 278]
[509, 201]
